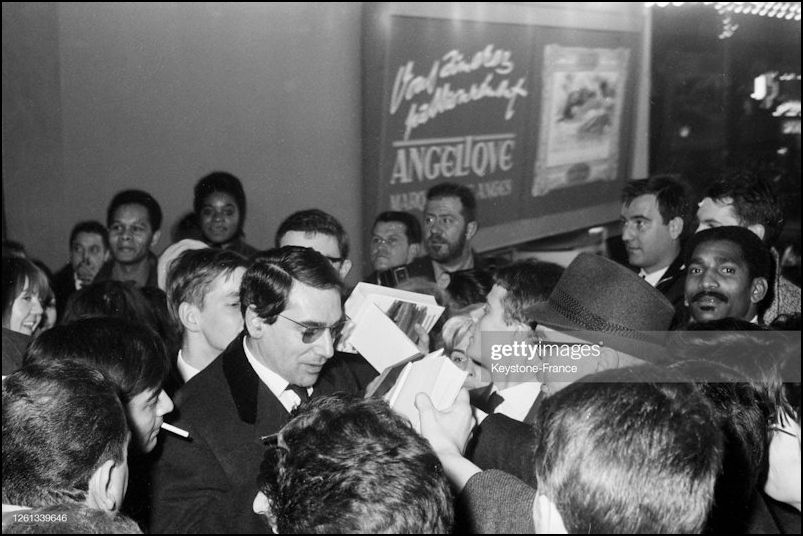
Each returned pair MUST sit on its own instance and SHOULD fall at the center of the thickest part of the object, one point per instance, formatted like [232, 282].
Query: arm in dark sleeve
[494, 502]
[191, 493]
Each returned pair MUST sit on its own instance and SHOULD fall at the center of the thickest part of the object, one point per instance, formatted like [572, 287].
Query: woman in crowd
[220, 208]
[24, 288]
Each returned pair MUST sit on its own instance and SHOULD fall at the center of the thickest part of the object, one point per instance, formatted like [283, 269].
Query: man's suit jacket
[208, 483]
[673, 286]
[500, 442]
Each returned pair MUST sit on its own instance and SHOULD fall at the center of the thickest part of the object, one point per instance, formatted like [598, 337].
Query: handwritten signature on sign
[443, 97]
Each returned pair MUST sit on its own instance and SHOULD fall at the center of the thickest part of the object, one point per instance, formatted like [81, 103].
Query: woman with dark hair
[219, 205]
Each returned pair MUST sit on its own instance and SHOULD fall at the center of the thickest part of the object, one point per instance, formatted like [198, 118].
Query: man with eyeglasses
[316, 229]
[291, 303]
[395, 242]
[134, 219]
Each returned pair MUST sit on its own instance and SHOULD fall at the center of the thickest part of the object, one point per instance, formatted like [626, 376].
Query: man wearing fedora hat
[598, 301]
[598, 308]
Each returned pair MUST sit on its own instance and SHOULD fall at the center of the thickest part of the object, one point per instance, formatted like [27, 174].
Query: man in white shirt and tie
[655, 218]
[290, 299]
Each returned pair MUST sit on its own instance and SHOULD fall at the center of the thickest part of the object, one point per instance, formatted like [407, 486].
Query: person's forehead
[87, 238]
[644, 205]
[219, 199]
[388, 228]
[309, 304]
[719, 251]
[145, 396]
[227, 282]
[721, 210]
[322, 243]
[444, 205]
[131, 212]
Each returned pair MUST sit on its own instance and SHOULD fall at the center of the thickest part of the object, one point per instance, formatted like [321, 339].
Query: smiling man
[745, 199]
[134, 218]
[290, 299]
[729, 275]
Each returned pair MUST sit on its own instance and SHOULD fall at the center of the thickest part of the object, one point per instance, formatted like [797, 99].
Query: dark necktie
[485, 400]
[300, 391]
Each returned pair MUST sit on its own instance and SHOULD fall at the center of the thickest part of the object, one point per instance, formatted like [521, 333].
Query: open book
[384, 320]
[434, 374]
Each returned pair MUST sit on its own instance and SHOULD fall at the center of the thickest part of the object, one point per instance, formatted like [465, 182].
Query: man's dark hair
[61, 421]
[129, 353]
[756, 253]
[463, 193]
[743, 412]
[72, 518]
[671, 193]
[527, 282]
[267, 282]
[345, 464]
[412, 228]
[313, 221]
[90, 227]
[192, 273]
[119, 299]
[136, 197]
[630, 457]
[754, 201]
[220, 181]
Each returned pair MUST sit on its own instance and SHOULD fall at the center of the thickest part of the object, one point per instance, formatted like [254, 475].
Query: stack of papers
[384, 320]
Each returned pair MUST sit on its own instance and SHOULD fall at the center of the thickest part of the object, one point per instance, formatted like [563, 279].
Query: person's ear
[101, 490]
[608, 359]
[345, 268]
[107, 255]
[263, 507]
[759, 230]
[546, 518]
[413, 252]
[758, 289]
[255, 325]
[471, 229]
[156, 236]
[188, 315]
[675, 227]
[443, 281]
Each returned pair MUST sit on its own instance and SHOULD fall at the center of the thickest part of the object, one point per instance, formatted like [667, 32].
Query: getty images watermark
[762, 356]
[540, 357]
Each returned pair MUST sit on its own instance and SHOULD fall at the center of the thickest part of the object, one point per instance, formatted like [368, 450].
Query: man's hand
[447, 431]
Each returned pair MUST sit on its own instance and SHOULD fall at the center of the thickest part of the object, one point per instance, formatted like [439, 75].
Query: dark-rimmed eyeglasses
[313, 333]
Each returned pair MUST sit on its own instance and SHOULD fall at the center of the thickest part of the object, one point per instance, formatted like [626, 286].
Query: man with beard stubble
[449, 225]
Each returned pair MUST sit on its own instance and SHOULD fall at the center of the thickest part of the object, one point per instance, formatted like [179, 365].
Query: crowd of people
[209, 389]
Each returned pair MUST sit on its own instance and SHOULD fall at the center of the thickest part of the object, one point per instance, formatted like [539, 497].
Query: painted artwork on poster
[581, 114]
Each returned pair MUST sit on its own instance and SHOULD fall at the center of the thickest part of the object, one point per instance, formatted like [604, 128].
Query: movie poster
[581, 109]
